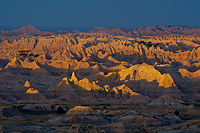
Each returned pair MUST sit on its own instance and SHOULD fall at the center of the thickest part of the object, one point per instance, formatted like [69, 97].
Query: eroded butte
[97, 82]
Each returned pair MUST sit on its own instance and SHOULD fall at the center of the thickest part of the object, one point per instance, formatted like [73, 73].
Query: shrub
[176, 113]
[60, 110]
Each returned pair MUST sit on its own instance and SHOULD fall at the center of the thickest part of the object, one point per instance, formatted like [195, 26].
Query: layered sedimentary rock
[166, 101]
[63, 89]
[27, 84]
[150, 30]
[22, 32]
[128, 83]
[33, 95]
[85, 115]
[100, 58]
[145, 80]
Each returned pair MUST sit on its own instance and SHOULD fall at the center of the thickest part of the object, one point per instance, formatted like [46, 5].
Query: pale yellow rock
[33, 95]
[63, 82]
[148, 73]
[15, 63]
[27, 84]
[190, 75]
[73, 77]
[32, 91]
[111, 76]
[60, 64]
[80, 110]
[124, 89]
[85, 84]
[30, 65]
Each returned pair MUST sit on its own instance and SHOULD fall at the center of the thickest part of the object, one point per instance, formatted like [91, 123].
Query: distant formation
[142, 31]
[104, 80]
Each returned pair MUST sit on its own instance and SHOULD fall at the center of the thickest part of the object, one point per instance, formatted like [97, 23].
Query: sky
[130, 14]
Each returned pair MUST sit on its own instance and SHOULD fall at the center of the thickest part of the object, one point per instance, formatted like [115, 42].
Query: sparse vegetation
[60, 110]
[177, 112]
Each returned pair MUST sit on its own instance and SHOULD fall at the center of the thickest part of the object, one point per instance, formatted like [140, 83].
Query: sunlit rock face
[32, 91]
[27, 84]
[33, 95]
[101, 82]
[79, 114]
[151, 66]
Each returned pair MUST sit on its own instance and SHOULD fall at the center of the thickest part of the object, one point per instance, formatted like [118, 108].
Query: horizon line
[80, 28]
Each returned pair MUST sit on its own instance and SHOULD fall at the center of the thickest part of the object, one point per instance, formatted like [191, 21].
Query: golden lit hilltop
[107, 80]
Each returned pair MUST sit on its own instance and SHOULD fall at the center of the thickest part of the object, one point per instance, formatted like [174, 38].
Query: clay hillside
[105, 80]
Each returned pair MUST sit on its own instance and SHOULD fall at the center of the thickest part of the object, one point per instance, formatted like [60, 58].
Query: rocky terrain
[100, 82]
[149, 30]
[29, 30]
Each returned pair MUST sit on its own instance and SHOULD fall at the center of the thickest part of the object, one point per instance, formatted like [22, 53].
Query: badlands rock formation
[167, 101]
[111, 81]
[25, 31]
[33, 95]
[79, 114]
[29, 30]
[27, 84]
[150, 31]
[169, 65]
